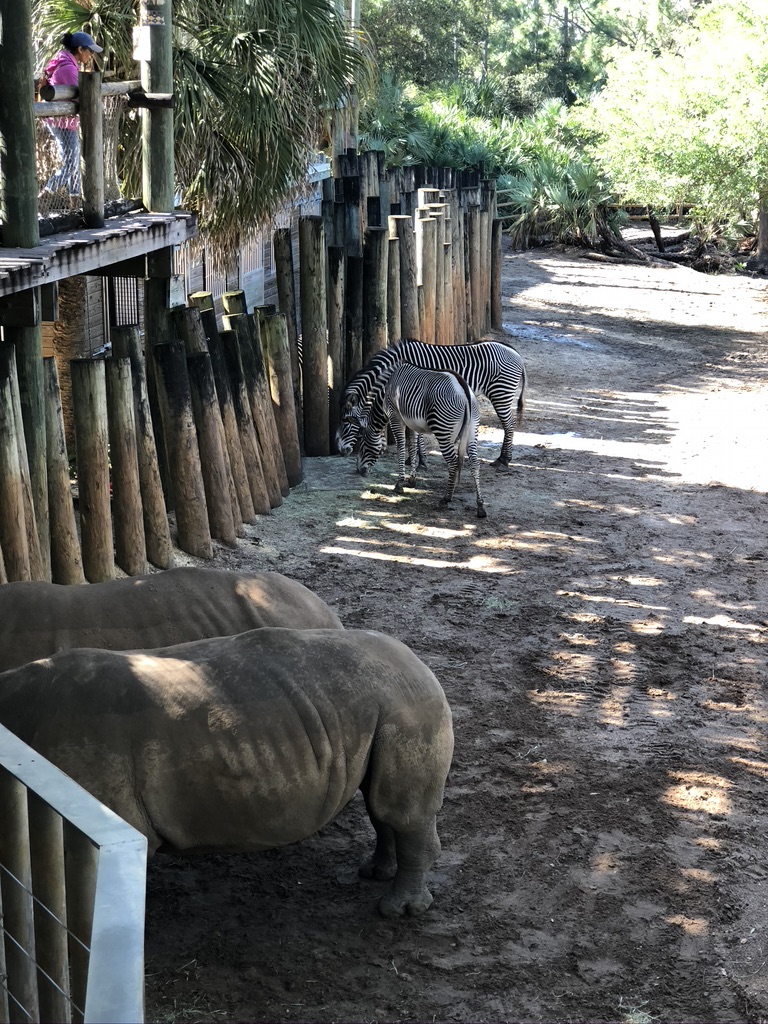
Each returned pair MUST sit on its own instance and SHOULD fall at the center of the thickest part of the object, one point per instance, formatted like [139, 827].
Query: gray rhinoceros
[172, 607]
[250, 742]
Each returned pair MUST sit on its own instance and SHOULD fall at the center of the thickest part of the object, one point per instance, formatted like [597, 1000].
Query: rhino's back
[157, 610]
[243, 743]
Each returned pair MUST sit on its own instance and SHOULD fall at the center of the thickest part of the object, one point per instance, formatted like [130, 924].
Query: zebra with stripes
[439, 402]
[490, 368]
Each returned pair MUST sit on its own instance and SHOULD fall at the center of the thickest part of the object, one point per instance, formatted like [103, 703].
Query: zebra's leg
[398, 429]
[474, 467]
[452, 461]
[421, 447]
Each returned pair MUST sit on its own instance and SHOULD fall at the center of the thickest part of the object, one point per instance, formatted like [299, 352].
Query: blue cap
[83, 39]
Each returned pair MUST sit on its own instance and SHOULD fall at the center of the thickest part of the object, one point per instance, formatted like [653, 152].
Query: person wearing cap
[77, 50]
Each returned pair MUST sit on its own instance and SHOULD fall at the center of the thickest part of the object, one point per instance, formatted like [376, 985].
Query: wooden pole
[91, 128]
[126, 344]
[38, 568]
[278, 360]
[248, 441]
[257, 391]
[447, 333]
[314, 334]
[474, 286]
[66, 557]
[157, 123]
[496, 260]
[375, 271]
[89, 401]
[130, 545]
[394, 330]
[175, 401]
[336, 337]
[401, 227]
[484, 284]
[223, 507]
[213, 449]
[426, 235]
[13, 531]
[286, 299]
[204, 302]
[3, 579]
[437, 212]
[353, 314]
[457, 271]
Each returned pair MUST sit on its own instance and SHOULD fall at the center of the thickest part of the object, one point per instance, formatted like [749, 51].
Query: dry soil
[602, 639]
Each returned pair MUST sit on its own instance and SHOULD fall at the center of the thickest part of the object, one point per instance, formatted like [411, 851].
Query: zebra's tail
[521, 399]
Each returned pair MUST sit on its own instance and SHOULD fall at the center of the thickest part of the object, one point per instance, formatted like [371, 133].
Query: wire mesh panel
[72, 886]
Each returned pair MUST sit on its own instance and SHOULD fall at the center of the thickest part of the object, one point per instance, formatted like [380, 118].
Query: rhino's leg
[416, 853]
[382, 865]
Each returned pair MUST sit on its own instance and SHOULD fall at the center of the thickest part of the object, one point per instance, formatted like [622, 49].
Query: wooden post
[474, 286]
[130, 545]
[248, 441]
[46, 840]
[336, 336]
[447, 335]
[91, 128]
[314, 334]
[89, 401]
[13, 531]
[66, 557]
[126, 344]
[204, 302]
[223, 520]
[155, 20]
[426, 234]
[496, 260]
[437, 212]
[353, 314]
[252, 354]
[401, 227]
[394, 330]
[175, 401]
[484, 284]
[375, 270]
[459, 335]
[39, 569]
[275, 339]
[286, 300]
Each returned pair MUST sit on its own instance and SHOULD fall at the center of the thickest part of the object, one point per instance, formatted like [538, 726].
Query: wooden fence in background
[204, 430]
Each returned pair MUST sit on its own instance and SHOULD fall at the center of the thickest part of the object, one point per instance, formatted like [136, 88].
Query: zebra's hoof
[481, 513]
[399, 489]
[501, 466]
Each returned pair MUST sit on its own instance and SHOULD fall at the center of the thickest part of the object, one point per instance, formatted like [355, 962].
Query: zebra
[440, 402]
[490, 368]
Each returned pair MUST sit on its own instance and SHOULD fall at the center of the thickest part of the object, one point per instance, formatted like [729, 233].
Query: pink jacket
[63, 70]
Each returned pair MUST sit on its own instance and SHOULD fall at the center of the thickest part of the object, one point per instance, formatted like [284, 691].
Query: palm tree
[253, 80]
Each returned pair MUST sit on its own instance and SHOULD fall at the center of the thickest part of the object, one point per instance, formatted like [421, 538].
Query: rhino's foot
[401, 900]
[378, 870]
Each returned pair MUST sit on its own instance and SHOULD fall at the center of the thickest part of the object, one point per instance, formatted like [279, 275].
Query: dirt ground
[602, 639]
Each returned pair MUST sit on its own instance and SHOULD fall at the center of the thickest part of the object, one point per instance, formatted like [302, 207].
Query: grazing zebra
[490, 368]
[424, 400]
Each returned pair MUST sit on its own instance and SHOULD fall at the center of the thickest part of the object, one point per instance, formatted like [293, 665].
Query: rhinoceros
[249, 742]
[172, 607]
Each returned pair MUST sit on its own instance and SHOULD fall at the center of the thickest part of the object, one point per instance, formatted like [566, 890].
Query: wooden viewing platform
[94, 250]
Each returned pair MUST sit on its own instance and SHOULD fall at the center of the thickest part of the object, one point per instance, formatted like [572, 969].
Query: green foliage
[686, 125]
[251, 78]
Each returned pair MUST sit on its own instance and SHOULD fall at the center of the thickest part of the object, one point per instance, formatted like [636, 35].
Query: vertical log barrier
[221, 497]
[13, 529]
[426, 241]
[312, 292]
[178, 421]
[66, 557]
[126, 344]
[3, 579]
[230, 347]
[448, 336]
[92, 129]
[130, 545]
[89, 401]
[437, 211]
[394, 330]
[401, 228]
[375, 272]
[496, 259]
[336, 336]
[259, 400]
[353, 298]
[286, 300]
[204, 302]
[457, 271]
[35, 544]
[475, 301]
[278, 365]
